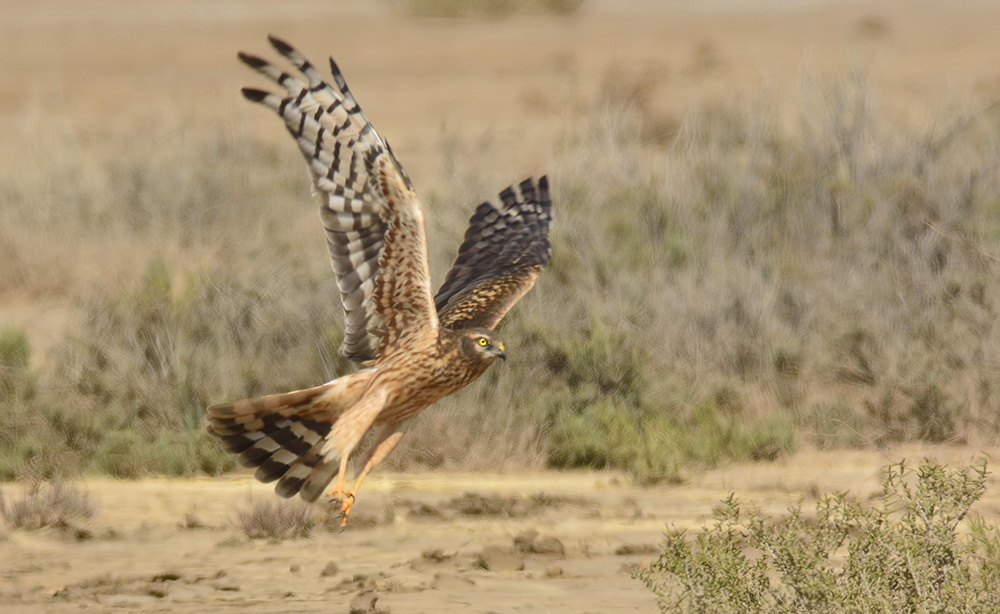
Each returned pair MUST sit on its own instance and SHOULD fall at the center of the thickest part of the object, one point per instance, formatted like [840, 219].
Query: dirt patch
[490, 505]
[499, 506]
[498, 545]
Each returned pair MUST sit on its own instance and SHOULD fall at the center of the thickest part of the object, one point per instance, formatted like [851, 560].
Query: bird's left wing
[504, 250]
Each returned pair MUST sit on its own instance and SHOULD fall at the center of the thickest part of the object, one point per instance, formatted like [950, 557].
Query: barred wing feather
[340, 146]
[503, 252]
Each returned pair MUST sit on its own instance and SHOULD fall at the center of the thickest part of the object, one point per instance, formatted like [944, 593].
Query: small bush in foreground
[54, 504]
[903, 554]
[277, 520]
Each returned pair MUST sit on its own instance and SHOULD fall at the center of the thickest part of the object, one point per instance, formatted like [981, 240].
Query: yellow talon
[346, 499]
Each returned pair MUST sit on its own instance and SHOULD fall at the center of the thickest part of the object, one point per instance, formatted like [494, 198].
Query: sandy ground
[554, 542]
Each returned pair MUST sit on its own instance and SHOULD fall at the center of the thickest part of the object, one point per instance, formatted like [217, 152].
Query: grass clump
[905, 553]
[24, 448]
[277, 520]
[17, 381]
[15, 353]
[47, 504]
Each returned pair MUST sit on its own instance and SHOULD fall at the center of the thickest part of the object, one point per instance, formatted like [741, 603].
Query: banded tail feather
[285, 436]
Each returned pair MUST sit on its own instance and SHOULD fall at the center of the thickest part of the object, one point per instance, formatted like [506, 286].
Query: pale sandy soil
[411, 543]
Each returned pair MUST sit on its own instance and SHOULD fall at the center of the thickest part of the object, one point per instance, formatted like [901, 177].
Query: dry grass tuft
[48, 504]
[277, 520]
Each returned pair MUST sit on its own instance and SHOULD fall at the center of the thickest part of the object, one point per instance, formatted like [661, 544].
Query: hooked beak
[501, 353]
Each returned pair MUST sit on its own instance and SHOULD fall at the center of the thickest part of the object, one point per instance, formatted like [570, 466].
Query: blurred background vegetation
[729, 283]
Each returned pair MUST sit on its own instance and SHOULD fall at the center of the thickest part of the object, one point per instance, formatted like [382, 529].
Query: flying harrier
[414, 347]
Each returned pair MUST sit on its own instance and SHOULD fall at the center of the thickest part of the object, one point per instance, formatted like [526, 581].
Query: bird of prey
[414, 347]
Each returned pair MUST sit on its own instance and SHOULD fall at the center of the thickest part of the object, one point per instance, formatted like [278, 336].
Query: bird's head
[483, 342]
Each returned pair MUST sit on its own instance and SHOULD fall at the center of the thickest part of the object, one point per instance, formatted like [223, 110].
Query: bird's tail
[283, 435]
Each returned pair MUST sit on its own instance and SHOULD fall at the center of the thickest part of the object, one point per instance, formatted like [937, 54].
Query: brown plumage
[415, 347]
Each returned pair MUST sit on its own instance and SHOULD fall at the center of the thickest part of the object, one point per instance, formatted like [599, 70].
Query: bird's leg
[347, 432]
[386, 439]
[340, 494]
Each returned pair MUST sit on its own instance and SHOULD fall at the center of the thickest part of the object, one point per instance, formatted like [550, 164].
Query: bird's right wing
[403, 297]
[341, 148]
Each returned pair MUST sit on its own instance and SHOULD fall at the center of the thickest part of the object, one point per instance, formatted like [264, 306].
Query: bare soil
[544, 542]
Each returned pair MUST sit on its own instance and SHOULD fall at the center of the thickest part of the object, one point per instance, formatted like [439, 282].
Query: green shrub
[16, 379]
[606, 408]
[15, 349]
[905, 553]
[655, 444]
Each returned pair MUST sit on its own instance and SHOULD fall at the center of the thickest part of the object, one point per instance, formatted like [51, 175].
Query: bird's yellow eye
[483, 342]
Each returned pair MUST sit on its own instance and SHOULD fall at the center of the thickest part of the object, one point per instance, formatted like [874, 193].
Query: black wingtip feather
[282, 47]
[527, 188]
[544, 197]
[253, 94]
[508, 197]
[338, 76]
[251, 60]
